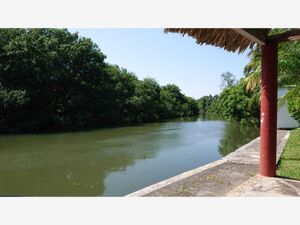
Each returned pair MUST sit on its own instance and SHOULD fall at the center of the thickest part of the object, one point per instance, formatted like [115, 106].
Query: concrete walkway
[234, 175]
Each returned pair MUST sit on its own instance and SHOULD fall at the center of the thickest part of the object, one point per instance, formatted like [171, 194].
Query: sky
[168, 58]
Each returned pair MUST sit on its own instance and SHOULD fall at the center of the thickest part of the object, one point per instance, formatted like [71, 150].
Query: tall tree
[227, 80]
[171, 101]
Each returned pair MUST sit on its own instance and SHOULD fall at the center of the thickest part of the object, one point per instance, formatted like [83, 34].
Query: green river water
[113, 161]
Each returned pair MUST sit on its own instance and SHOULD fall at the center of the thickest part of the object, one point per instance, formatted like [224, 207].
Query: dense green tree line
[205, 102]
[239, 101]
[237, 104]
[234, 103]
[51, 79]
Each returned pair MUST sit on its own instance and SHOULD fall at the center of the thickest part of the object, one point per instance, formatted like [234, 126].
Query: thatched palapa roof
[230, 39]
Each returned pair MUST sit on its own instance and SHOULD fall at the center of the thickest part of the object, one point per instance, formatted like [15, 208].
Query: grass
[289, 163]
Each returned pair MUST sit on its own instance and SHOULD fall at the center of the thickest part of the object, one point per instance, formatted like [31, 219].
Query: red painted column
[268, 110]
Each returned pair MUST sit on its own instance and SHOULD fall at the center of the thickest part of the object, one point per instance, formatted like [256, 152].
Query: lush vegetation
[205, 102]
[289, 163]
[288, 73]
[51, 79]
[239, 100]
[234, 103]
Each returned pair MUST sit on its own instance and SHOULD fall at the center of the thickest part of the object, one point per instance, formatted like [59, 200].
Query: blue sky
[169, 58]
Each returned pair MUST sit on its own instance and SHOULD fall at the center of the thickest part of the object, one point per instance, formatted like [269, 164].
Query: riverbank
[228, 176]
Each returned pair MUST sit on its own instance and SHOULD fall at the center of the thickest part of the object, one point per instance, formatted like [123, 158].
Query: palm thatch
[230, 39]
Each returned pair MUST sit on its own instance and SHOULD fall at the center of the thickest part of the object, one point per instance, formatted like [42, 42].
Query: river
[113, 161]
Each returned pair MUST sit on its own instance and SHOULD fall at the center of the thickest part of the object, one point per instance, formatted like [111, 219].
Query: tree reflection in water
[113, 161]
[235, 136]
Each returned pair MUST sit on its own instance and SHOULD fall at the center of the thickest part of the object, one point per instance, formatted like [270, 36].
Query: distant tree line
[51, 79]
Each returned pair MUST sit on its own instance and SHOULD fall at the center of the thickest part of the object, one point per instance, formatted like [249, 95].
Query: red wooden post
[268, 110]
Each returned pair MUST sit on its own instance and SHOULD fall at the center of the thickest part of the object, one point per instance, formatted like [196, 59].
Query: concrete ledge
[217, 178]
[281, 144]
[245, 154]
[174, 179]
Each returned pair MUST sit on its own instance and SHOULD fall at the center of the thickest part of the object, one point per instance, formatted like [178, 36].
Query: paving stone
[216, 181]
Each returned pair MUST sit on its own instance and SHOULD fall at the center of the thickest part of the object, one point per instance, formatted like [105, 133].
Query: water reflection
[235, 136]
[66, 164]
[113, 161]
